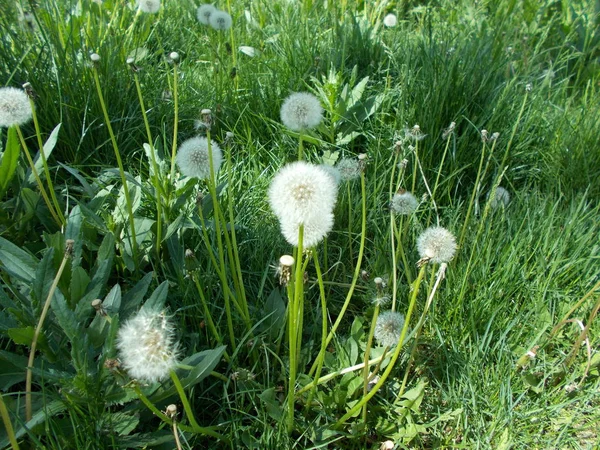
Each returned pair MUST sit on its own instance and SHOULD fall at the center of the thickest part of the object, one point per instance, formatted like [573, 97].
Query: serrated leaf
[10, 160]
[65, 316]
[122, 423]
[17, 262]
[79, 283]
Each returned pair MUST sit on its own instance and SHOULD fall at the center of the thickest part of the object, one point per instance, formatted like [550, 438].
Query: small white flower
[147, 347]
[204, 12]
[404, 203]
[193, 158]
[501, 198]
[388, 328]
[220, 20]
[149, 6]
[301, 111]
[349, 169]
[15, 108]
[437, 245]
[390, 20]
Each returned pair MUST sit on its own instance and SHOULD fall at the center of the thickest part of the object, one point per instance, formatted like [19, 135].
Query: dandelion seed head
[313, 232]
[436, 244]
[193, 158]
[333, 172]
[147, 347]
[301, 111]
[349, 169]
[390, 20]
[501, 198]
[220, 20]
[404, 203]
[149, 6]
[204, 12]
[388, 328]
[15, 108]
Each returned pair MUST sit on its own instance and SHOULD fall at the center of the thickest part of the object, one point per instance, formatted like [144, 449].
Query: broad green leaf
[79, 283]
[10, 160]
[122, 423]
[132, 299]
[48, 147]
[24, 336]
[157, 300]
[74, 232]
[273, 405]
[86, 186]
[17, 262]
[275, 314]
[65, 316]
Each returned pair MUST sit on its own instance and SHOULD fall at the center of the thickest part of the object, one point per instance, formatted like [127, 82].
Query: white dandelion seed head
[349, 169]
[301, 192]
[220, 20]
[437, 245]
[313, 232]
[147, 346]
[501, 198]
[388, 328]
[404, 203]
[15, 108]
[390, 20]
[204, 12]
[193, 158]
[149, 6]
[333, 172]
[301, 111]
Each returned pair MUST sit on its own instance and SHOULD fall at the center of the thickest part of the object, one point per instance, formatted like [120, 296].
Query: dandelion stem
[366, 360]
[10, 432]
[176, 122]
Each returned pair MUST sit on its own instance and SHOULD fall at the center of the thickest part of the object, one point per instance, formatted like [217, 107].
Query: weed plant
[403, 256]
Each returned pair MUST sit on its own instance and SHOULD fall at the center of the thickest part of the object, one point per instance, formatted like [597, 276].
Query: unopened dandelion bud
[528, 87]
[112, 363]
[206, 115]
[285, 269]
[448, 131]
[402, 164]
[495, 136]
[174, 57]
[364, 275]
[199, 198]
[189, 254]
[95, 58]
[29, 90]
[484, 135]
[228, 138]
[362, 162]
[171, 411]
[69, 245]
[398, 146]
[97, 305]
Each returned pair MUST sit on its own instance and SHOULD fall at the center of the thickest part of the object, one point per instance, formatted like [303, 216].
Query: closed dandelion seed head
[220, 20]
[15, 108]
[437, 245]
[501, 198]
[302, 191]
[149, 6]
[390, 20]
[349, 169]
[204, 12]
[147, 347]
[388, 328]
[404, 203]
[193, 158]
[301, 111]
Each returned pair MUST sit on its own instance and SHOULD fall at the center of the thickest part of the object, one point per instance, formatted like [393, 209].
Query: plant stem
[366, 361]
[10, 432]
[176, 122]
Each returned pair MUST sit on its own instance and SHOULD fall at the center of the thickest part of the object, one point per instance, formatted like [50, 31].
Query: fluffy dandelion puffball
[404, 203]
[333, 172]
[220, 20]
[15, 108]
[437, 245]
[349, 169]
[390, 20]
[313, 232]
[301, 111]
[147, 346]
[501, 198]
[193, 158]
[388, 328]
[204, 12]
[302, 191]
[149, 6]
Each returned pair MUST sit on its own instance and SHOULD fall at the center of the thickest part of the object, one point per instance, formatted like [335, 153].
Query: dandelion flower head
[204, 12]
[313, 231]
[388, 328]
[437, 245]
[147, 346]
[390, 20]
[15, 108]
[220, 20]
[300, 191]
[349, 169]
[333, 172]
[301, 111]
[149, 6]
[193, 158]
[404, 203]
[501, 198]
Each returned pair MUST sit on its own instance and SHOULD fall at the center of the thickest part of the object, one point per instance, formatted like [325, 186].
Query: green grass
[517, 273]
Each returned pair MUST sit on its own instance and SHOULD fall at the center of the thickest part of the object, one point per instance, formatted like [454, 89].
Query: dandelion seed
[501, 198]
[147, 346]
[149, 6]
[484, 135]
[388, 328]
[404, 203]
[448, 131]
[301, 191]
[437, 245]
[390, 20]
[349, 169]
[204, 12]
[193, 158]
[414, 134]
[220, 20]
[301, 111]
[15, 108]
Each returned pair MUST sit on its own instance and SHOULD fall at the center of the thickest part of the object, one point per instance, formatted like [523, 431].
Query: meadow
[299, 224]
